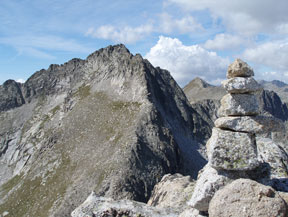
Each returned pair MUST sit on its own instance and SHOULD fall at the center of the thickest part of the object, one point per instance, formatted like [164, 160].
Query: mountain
[208, 97]
[279, 87]
[198, 90]
[111, 123]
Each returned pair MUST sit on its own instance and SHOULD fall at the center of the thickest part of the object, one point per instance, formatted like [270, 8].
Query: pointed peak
[111, 49]
[198, 82]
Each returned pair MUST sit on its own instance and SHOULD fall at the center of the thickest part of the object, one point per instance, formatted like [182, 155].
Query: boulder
[238, 105]
[244, 197]
[250, 124]
[102, 206]
[239, 68]
[208, 182]
[172, 191]
[272, 154]
[241, 85]
[232, 150]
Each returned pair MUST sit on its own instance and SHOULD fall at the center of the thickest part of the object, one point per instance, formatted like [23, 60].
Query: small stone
[232, 150]
[238, 105]
[208, 182]
[244, 197]
[239, 68]
[250, 124]
[241, 85]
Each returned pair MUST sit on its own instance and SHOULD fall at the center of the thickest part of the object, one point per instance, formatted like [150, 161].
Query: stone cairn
[232, 150]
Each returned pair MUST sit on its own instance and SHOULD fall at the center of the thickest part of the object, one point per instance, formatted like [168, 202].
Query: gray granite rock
[239, 68]
[208, 182]
[172, 191]
[238, 105]
[241, 85]
[245, 197]
[232, 150]
[251, 124]
[272, 154]
[101, 206]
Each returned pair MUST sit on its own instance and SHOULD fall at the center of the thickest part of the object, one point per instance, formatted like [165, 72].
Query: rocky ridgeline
[239, 146]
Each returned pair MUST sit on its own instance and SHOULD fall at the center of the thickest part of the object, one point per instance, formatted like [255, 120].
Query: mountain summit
[111, 123]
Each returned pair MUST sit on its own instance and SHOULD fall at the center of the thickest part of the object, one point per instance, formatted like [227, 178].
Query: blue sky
[188, 37]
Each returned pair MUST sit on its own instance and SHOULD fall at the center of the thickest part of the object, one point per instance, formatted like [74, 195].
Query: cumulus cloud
[245, 16]
[225, 42]
[272, 54]
[187, 62]
[127, 34]
[271, 59]
[183, 25]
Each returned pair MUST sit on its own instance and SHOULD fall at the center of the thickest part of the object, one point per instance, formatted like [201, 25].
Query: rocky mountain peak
[197, 82]
[111, 123]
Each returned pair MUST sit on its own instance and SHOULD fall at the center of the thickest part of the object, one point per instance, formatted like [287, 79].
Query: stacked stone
[232, 147]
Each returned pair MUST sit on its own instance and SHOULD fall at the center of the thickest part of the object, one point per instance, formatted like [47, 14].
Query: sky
[190, 38]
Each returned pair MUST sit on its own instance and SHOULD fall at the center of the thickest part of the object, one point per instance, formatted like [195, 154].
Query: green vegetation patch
[35, 197]
[83, 91]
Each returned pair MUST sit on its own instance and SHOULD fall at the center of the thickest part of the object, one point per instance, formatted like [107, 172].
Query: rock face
[11, 95]
[240, 143]
[245, 197]
[111, 123]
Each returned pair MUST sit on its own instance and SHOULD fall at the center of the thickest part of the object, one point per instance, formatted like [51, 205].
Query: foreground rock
[101, 206]
[208, 182]
[172, 191]
[245, 197]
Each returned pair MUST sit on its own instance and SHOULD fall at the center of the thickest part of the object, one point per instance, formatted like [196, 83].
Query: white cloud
[184, 25]
[272, 54]
[38, 46]
[126, 34]
[225, 42]
[20, 80]
[245, 16]
[187, 62]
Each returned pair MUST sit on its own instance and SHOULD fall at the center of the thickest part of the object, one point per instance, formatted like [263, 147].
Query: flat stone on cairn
[232, 150]
[238, 105]
[241, 85]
